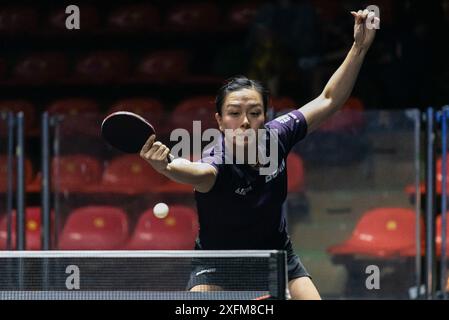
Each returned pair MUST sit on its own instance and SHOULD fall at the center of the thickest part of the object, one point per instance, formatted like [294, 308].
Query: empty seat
[134, 17]
[103, 66]
[33, 227]
[381, 232]
[149, 108]
[200, 108]
[4, 172]
[75, 172]
[41, 67]
[193, 17]
[163, 65]
[177, 231]
[439, 235]
[411, 188]
[80, 117]
[95, 228]
[131, 174]
[141, 106]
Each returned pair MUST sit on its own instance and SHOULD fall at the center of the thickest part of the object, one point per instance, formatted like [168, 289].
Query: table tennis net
[136, 275]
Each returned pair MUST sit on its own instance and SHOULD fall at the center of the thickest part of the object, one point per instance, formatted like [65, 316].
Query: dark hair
[238, 83]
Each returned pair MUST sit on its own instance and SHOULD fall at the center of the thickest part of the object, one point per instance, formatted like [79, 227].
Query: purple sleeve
[292, 127]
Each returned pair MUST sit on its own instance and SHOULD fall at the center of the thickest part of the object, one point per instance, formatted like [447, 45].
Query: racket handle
[170, 158]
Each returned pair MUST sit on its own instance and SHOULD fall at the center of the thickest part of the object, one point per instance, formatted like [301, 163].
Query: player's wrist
[359, 49]
[163, 169]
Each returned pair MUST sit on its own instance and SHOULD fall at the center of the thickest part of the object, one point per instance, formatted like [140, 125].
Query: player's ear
[219, 121]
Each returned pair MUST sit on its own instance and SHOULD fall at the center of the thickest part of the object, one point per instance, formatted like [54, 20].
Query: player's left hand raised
[364, 28]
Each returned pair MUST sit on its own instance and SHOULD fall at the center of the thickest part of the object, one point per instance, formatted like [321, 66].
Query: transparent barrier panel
[357, 171]
[353, 225]
[104, 199]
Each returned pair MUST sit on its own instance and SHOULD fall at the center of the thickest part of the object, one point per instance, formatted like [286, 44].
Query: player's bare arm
[200, 175]
[340, 85]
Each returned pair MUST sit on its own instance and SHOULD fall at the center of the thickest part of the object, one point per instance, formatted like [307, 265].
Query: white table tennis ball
[160, 210]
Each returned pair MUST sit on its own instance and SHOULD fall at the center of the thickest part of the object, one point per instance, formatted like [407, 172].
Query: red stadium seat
[75, 111]
[200, 108]
[295, 169]
[438, 240]
[177, 231]
[381, 232]
[350, 118]
[241, 15]
[41, 67]
[411, 189]
[73, 106]
[107, 66]
[193, 17]
[75, 172]
[439, 236]
[150, 109]
[89, 19]
[95, 228]
[16, 106]
[135, 17]
[131, 174]
[439, 175]
[141, 106]
[18, 19]
[283, 103]
[163, 65]
[4, 172]
[33, 229]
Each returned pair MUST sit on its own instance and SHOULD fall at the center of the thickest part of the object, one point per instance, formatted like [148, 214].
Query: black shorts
[239, 274]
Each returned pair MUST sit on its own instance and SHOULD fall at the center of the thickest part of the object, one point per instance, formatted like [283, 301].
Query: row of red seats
[126, 174]
[107, 228]
[388, 233]
[200, 108]
[381, 232]
[180, 17]
[113, 66]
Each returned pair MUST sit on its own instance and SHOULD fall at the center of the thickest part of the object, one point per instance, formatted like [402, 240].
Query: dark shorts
[239, 274]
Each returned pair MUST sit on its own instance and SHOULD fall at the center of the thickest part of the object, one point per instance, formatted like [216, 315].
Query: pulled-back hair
[238, 83]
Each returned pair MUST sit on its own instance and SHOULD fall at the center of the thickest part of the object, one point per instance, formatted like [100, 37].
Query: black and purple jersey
[243, 210]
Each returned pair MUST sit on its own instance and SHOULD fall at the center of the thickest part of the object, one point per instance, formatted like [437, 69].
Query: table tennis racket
[127, 131]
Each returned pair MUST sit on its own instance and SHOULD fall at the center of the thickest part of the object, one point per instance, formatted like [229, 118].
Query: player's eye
[255, 114]
[234, 113]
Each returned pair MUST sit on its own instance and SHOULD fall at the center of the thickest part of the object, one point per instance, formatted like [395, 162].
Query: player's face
[242, 110]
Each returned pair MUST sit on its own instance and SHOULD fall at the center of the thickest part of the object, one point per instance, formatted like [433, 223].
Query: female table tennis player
[252, 217]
